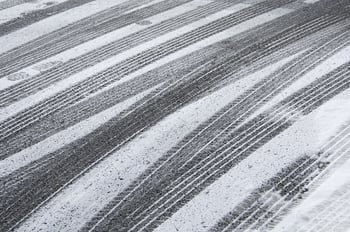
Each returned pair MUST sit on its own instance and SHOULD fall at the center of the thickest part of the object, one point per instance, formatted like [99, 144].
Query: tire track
[84, 106]
[161, 186]
[253, 203]
[99, 17]
[326, 162]
[83, 109]
[153, 219]
[332, 214]
[78, 106]
[78, 112]
[71, 67]
[37, 15]
[49, 181]
[65, 118]
[72, 38]
[280, 193]
[92, 84]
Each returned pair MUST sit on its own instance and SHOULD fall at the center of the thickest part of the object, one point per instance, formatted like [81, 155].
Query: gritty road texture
[178, 54]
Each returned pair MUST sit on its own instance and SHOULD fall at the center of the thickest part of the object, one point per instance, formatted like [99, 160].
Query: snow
[302, 138]
[65, 137]
[52, 90]
[205, 209]
[86, 47]
[21, 105]
[105, 180]
[53, 23]
[336, 111]
[204, 43]
[79, 202]
[311, 1]
[336, 60]
[19, 10]
[144, 5]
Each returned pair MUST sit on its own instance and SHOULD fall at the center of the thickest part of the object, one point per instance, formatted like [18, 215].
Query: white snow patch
[311, 1]
[144, 5]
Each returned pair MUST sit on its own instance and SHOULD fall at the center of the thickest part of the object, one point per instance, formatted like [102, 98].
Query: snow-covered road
[174, 115]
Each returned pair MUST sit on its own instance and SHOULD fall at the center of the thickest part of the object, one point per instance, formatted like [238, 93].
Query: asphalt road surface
[177, 54]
